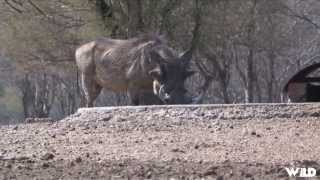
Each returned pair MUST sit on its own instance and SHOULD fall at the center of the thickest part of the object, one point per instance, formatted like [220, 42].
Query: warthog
[139, 66]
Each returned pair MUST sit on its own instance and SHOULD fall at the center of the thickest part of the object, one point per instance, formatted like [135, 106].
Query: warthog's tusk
[156, 86]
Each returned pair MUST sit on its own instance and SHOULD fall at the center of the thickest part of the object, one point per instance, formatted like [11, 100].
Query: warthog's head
[169, 78]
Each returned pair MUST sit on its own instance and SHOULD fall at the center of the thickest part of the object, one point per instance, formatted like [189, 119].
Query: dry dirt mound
[160, 142]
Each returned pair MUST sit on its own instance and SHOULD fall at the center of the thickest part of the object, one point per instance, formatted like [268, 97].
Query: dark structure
[303, 86]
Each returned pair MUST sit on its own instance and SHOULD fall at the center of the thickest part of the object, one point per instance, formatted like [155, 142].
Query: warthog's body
[138, 66]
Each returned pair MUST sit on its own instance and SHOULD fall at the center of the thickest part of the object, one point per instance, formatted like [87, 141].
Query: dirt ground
[165, 142]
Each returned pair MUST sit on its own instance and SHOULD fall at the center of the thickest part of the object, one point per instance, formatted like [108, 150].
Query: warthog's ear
[186, 57]
[155, 73]
[155, 57]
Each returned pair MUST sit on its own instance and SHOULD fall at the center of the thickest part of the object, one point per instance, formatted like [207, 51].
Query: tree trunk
[271, 77]
[27, 96]
[250, 59]
[250, 77]
[135, 19]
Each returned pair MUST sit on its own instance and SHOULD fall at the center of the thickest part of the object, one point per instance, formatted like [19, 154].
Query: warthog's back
[87, 53]
[113, 63]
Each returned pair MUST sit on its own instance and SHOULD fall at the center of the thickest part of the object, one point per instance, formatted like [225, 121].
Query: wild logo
[301, 172]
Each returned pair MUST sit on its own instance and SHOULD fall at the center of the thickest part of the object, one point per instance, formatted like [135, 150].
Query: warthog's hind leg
[90, 88]
[133, 94]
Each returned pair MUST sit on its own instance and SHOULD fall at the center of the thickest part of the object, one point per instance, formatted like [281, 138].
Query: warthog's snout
[167, 98]
[163, 95]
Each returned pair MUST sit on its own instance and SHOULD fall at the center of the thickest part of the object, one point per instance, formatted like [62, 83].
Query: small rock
[149, 175]
[86, 127]
[220, 178]
[315, 114]
[45, 165]
[119, 119]
[47, 156]
[211, 171]
[78, 160]
[253, 133]
[15, 128]
[245, 132]
[30, 161]
[107, 118]
[21, 158]
[72, 164]
[9, 166]
[177, 150]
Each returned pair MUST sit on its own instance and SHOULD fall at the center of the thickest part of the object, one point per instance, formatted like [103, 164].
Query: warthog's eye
[155, 73]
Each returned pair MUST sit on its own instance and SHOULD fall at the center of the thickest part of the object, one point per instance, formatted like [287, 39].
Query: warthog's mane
[156, 38]
[146, 43]
[141, 48]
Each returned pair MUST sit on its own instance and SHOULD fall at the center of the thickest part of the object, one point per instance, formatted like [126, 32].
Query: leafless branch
[302, 17]
[37, 7]
[14, 7]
